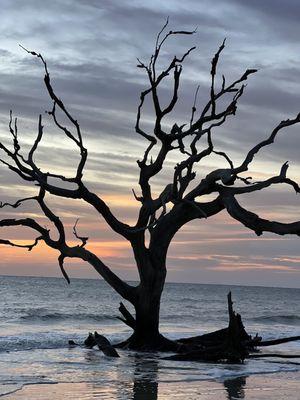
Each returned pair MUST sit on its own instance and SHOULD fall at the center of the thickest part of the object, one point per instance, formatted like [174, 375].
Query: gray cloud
[91, 49]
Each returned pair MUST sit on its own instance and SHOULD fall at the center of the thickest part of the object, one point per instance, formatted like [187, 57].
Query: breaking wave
[36, 315]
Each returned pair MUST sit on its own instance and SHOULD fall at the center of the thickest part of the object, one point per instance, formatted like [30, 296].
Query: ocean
[39, 315]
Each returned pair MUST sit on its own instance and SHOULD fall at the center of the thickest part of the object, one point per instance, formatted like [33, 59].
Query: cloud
[91, 49]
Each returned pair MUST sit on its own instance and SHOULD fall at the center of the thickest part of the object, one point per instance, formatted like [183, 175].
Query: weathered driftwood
[205, 339]
[227, 345]
[102, 342]
[104, 345]
[71, 343]
[90, 341]
[218, 337]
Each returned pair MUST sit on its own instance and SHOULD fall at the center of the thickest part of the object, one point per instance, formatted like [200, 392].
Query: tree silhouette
[179, 202]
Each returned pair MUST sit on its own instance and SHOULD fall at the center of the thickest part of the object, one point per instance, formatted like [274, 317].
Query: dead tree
[161, 216]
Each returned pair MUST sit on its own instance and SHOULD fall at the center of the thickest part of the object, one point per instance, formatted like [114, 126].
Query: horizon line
[167, 282]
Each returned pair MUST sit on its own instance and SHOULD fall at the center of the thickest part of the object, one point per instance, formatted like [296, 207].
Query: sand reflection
[145, 384]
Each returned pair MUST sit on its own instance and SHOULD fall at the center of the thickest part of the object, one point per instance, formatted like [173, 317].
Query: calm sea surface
[39, 315]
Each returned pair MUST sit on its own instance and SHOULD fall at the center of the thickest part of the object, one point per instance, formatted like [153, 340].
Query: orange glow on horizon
[118, 200]
[42, 252]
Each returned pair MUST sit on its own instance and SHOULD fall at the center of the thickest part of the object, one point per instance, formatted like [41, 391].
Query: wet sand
[256, 387]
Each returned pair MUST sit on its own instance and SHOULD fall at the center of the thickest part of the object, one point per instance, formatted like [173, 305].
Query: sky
[91, 49]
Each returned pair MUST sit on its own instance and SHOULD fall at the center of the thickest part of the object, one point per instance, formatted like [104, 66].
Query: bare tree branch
[213, 72]
[194, 109]
[61, 260]
[255, 223]
[28, 170]
[18, 203]
[36, 142]
[82, 238]
[281, 178]
[58, 102]
[250, 156]
[24, 246]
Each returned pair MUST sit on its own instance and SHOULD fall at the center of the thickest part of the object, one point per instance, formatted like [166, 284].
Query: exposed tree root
[277, 341]
[272, 355]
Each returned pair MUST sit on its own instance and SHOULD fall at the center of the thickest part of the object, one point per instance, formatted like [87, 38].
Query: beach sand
[257, 387]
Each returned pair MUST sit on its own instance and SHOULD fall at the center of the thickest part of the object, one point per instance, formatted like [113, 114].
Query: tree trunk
[147, 317]
[151, 264]
[152, 270]
[147, 306]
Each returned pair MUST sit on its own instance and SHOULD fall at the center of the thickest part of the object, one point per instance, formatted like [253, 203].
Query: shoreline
[275, 386]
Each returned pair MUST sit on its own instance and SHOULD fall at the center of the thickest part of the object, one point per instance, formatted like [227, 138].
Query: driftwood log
[104, 345]
[102, 342]
[229, 345]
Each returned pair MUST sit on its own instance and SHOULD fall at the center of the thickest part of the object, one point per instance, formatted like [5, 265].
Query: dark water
[39, 315]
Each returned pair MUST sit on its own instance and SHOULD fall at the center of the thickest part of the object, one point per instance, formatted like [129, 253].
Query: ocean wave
[178, 317]
[26, 343]
[46, 340]
[281, 319]
[36, 315]
[188, 300]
